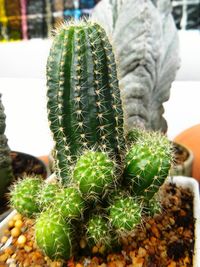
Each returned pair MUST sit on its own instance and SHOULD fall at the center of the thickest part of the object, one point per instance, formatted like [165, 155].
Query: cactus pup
[24, 196]
[125, 214]
[99, 231]
[148, 162]
[94, 173]
[84, 105]
[54, 235]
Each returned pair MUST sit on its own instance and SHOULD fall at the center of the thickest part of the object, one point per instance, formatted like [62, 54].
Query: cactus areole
[84, 105]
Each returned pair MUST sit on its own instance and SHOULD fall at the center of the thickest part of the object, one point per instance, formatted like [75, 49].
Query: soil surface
[165, 240]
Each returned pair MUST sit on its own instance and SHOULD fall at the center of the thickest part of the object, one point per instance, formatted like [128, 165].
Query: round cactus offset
[125, 214]
[24, 196]
[54, 235]
[47, 195]
[148, 163]
[69, 203]
[99, 231]
[84, 105]
[94, 173]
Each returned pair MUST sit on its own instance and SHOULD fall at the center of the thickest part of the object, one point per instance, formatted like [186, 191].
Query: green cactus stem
[94, 173]
[152, 206]
[24, 196]
[84, 105]
[47, 194]
[6, 172]
[125, 214]
[54, 235]
[69, 203]
[148, 163]
[99, 231]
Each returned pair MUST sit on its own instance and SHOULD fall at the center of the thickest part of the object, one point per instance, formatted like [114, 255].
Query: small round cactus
[24, 195]
[152, 207]
[125, 214]
[54, 235]
[47, 194]
[99, 231]
[148, 163]
[94, 173]
[69, 202]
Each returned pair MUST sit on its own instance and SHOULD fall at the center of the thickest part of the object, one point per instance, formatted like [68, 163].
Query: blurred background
[27, 19]
[25, 30]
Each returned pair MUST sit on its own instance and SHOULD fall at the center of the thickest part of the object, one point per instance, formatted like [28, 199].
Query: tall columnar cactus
[84, 105]
[148, 163]
[6, 173]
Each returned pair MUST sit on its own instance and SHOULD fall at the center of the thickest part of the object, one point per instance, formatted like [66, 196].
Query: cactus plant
[84, 104]
[148, 163]
[94, 173]
[99, 231]
[24, 195]
[69, 202]
[54, 235]
[125, 214]
[47, 194]
[6, 173]
[147, 48]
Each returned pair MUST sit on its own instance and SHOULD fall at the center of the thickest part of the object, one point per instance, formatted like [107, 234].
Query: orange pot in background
[190, 138]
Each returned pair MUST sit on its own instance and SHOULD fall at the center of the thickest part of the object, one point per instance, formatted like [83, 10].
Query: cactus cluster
[6, 173]
[105, 185]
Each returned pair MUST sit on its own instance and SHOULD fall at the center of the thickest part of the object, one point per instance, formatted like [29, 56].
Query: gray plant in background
[146, 42]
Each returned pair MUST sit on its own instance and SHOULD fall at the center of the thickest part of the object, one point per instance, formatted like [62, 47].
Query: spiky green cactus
[152, 206]
[94, 173]
[6, 172]
[47, 194]
[84, 105]
[69, 202]
[99, 231]
[24, 196]
[125, 214]
[54, 235]
[148, 163]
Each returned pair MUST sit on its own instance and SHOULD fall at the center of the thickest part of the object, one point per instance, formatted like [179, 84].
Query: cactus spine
[84, 105]
[6, 173]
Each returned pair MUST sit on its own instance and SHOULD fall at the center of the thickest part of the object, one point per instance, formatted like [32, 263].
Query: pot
[183, 161]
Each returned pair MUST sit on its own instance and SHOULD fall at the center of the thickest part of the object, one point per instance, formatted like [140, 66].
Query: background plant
[6, 173]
